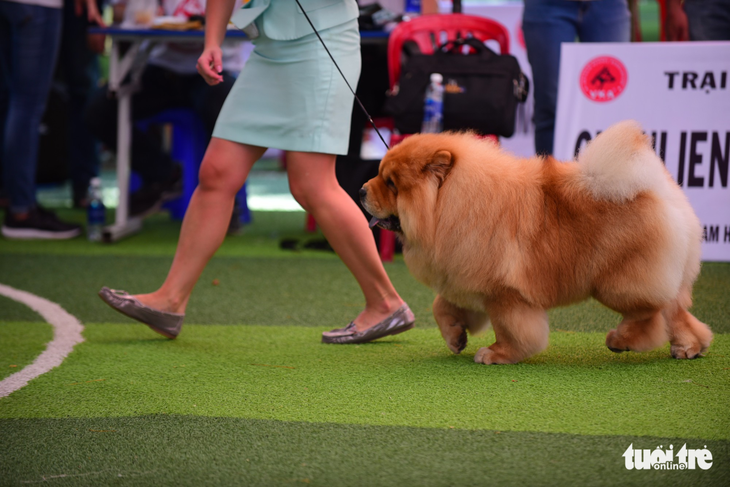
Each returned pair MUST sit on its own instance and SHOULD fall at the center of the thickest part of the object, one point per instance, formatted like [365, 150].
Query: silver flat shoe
[400, 321]
[165, 323]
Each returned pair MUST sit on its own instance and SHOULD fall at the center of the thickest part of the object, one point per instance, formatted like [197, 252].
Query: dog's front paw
[454, 336]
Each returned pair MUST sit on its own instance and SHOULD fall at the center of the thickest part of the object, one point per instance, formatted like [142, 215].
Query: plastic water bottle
[95, 213]
[433, 108]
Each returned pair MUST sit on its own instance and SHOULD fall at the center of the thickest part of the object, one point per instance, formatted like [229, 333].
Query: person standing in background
[78, 70]
[30, 32]
[548, 23]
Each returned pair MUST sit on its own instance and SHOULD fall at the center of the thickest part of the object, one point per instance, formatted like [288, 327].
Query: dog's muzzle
[391, 223]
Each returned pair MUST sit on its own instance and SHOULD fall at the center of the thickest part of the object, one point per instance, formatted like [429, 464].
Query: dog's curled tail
[620, 162]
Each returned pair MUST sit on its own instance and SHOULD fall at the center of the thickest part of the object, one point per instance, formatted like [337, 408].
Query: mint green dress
[290, 95]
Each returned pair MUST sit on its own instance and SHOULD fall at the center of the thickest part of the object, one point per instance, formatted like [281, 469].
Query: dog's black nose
[363, 192]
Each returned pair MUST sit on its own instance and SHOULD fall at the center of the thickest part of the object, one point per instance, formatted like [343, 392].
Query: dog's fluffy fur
[503, 239]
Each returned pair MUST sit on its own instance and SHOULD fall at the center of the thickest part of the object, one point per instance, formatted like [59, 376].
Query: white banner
[680, 93]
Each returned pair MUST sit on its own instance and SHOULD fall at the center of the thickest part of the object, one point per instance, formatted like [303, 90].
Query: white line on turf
[66, 333]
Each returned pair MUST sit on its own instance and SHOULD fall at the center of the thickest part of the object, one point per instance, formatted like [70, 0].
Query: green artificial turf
[21, 343]
[282, 373]
[11, 310]
[171, 450]
[301, 291]
[159, 236]
[256, 290]
[262, 402]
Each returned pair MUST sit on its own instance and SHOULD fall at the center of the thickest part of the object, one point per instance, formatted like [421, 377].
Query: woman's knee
[302, 194]
[226, 165]
[312, 179]
[313, 195]
[218, 174]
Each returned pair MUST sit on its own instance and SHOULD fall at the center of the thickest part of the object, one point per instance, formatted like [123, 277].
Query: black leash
[370, 119]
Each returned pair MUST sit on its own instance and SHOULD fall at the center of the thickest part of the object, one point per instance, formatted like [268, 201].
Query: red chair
[430, 32]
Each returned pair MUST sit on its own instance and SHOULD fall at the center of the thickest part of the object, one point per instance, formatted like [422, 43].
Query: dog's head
[407, 183]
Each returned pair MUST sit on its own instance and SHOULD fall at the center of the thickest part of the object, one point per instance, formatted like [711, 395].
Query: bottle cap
[436, 78]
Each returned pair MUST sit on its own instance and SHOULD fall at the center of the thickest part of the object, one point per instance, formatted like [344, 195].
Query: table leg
[124, 141]
[123, 225]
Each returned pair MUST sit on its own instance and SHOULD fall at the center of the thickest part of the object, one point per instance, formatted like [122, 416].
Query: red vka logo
[603, 79]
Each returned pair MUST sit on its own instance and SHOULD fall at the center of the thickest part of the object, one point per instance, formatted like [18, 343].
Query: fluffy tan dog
[503, 239]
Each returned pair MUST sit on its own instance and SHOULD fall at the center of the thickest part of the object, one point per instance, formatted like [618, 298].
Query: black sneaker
[150, 197]
[40, 224]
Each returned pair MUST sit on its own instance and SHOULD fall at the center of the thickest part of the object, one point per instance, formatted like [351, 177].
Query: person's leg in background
[352, 171]
[79, 69]
[4, 99]
[33, 37]
[709, 20]
[605, 21]
[28, 55]
[313, 184]
[160, 90]
[546, 24]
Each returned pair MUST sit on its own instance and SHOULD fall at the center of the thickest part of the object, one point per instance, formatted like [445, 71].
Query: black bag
[481, 90]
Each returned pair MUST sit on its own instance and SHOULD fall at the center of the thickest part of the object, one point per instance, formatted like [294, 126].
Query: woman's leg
[313, 184]
[224, 169]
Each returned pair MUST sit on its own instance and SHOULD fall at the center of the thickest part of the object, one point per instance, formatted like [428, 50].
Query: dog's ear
[440, 165]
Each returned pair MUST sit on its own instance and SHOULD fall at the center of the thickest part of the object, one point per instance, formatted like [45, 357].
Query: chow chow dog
[502, 239]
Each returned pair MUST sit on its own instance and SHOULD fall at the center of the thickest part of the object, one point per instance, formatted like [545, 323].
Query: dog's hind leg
[640, 331]
[688, 336]
[454, 322]
[521, 331]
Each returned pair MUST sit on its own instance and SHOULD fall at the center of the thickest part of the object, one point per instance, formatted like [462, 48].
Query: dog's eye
[391, 185]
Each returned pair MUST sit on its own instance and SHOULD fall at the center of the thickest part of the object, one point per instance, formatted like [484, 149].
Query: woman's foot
[400, 320]
[373, 315]
[155, 301]
[165, 323]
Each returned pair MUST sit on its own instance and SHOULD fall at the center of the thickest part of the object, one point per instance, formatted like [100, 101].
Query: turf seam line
[66, 334]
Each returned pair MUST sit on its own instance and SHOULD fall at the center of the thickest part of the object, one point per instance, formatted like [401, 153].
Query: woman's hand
[676, 26]
[92, 11]
[210, 65]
